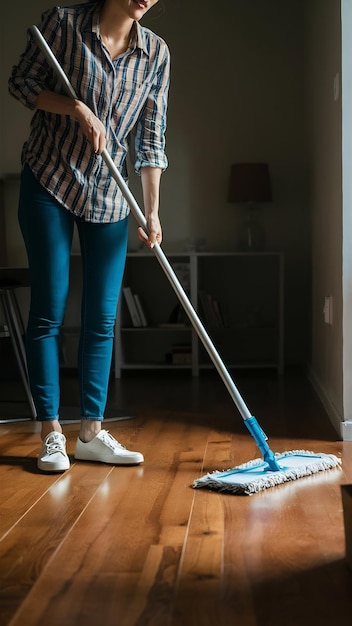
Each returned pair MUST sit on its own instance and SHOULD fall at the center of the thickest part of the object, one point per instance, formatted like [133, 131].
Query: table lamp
[250, 186]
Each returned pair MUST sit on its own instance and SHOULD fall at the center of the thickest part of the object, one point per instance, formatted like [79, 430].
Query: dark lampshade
[249, 182]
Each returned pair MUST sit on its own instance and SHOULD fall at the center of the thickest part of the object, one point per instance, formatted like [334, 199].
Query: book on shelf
[177, 319]
[140, 310]
[181, 354]
[212, 313]
[218, 313]
[132, 307]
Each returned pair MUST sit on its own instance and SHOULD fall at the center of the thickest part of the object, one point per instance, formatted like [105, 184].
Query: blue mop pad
[255, 476]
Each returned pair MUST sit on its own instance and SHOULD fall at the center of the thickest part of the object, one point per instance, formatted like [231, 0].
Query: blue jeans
[47, 229]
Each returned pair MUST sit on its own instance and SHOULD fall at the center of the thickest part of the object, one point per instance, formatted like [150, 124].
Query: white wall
[324, 145]
[346, 427]
[236, 94]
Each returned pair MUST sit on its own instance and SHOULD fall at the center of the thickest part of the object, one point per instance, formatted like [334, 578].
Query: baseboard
[346, 430]
[330, 408]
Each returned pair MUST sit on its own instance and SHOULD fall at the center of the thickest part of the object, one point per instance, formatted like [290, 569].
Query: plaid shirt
[128, 94]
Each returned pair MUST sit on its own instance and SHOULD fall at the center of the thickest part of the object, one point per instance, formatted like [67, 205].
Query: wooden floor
[137, 546]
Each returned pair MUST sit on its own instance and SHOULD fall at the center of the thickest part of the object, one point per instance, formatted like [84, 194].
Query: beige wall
[324, 146]
[236, 94]
[347, 217]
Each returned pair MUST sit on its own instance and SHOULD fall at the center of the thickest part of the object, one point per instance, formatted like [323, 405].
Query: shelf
[155, 329]
[239, 298]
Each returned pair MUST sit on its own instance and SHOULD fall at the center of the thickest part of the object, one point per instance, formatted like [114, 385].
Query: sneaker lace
[110, 441]
[53, 445]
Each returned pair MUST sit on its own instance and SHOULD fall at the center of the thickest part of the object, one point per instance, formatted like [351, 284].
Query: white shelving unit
[245, 321]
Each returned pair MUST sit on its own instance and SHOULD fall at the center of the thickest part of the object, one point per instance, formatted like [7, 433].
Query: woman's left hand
[154, 230]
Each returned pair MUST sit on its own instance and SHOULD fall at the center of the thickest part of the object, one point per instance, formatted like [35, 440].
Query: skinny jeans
[47, 230]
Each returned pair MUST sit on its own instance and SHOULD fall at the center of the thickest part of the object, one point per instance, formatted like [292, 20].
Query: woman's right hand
[91, 127]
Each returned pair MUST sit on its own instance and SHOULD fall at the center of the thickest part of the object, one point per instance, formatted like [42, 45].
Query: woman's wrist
[56, 103]
[79, 109]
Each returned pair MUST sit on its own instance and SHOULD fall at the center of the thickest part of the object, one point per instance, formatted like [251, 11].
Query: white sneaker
[106, 449]
[53, 457]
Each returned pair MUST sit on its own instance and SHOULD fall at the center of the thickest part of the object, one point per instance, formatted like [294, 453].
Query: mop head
[255, 476]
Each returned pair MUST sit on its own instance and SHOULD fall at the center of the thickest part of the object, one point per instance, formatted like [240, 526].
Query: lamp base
[251, 235]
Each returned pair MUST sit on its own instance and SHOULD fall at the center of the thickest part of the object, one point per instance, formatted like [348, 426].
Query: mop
[272, 468]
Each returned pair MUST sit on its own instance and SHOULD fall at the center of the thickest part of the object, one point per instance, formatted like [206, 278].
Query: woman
[120, 73]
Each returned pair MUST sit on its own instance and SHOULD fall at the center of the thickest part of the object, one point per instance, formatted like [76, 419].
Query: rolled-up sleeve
[151, 127]
[33, 74]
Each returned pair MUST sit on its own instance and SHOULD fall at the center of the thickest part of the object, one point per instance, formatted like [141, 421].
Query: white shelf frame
[195, 366]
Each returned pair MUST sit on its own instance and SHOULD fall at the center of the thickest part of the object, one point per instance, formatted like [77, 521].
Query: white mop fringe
[238, 480]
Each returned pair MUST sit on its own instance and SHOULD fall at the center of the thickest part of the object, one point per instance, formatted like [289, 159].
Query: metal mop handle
[249, 420]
